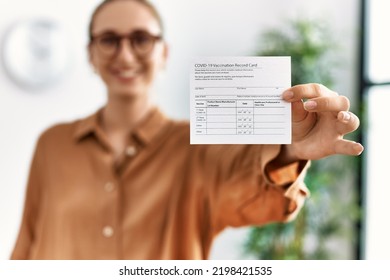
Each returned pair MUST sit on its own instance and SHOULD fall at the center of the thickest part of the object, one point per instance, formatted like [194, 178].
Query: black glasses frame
[136, 39]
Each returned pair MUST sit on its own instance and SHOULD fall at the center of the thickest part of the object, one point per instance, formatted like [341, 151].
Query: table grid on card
[239, 117]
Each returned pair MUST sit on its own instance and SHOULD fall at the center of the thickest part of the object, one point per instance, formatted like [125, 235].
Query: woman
[124, 183]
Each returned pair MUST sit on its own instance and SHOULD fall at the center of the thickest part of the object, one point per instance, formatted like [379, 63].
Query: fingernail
[288, 95]
[310, 105]
[346, 116]
[358, 148]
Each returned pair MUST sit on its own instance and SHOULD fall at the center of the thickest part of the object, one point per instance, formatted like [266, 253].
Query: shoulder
[74, 129]
[57, 138]
[61, 133]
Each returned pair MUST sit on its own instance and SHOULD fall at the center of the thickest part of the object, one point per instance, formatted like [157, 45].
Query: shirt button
[109, 187]
[108, 231]
[131, 151]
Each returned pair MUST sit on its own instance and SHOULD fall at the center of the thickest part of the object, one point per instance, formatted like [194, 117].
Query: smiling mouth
[126, 74]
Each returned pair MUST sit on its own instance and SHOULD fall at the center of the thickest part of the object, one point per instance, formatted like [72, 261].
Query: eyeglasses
[142, 43]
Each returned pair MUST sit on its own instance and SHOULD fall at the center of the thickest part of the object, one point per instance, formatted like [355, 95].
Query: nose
[125, 51]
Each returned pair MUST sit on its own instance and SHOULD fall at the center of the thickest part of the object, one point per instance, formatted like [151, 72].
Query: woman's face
[126, 72]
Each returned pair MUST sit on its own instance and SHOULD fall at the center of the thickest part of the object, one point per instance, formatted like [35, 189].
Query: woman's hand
[319, 123]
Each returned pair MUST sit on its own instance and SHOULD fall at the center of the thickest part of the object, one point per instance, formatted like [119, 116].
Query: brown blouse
[166, 199]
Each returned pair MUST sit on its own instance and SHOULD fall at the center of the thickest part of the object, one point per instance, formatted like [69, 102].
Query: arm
[319, 127]
[25, 238]
[244, 190]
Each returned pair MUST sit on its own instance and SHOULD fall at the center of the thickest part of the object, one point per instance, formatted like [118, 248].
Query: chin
[127, 92]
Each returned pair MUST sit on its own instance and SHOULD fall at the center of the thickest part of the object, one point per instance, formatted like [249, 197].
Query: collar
[145, 131]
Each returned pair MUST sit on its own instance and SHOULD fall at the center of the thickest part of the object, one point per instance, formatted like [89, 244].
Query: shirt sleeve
[241, 192]
[28, 225]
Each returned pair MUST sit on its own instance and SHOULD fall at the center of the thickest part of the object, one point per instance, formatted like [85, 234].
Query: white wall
[193, 28]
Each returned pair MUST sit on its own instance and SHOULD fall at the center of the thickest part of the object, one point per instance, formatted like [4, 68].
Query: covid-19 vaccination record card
[238, 100]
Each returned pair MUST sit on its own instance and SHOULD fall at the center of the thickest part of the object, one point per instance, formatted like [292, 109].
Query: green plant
[329, 215]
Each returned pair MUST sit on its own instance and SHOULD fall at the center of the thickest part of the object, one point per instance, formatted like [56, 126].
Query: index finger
[307, 91]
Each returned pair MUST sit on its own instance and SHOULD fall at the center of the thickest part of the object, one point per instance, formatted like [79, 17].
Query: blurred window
[375, 93]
